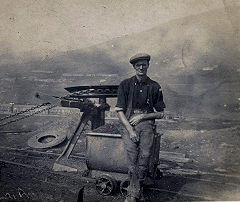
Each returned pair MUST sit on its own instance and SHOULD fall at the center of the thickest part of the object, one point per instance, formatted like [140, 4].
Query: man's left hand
[136, 119]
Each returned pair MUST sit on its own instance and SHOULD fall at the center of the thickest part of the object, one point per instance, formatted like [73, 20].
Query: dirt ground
[211, 173]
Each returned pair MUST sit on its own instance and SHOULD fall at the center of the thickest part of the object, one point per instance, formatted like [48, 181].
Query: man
[138, 96]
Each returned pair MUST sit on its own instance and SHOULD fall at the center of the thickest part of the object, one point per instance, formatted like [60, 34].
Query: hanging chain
[29, 115]
[24, 111]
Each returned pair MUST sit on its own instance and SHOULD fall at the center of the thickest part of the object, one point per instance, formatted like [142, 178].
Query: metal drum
[105, 152]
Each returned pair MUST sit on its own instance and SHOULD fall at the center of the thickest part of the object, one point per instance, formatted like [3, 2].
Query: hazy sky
[46, 27]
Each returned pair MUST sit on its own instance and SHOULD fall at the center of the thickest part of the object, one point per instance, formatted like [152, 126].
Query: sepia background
[46, 46]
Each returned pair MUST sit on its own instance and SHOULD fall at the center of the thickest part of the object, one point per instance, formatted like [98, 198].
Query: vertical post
[99, 119]
[102, 101]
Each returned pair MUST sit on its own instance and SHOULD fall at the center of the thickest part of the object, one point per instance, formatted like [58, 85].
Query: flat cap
[139, 56]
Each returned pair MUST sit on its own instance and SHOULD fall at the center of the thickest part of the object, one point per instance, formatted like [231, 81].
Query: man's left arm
[155, 115]
[158, 104]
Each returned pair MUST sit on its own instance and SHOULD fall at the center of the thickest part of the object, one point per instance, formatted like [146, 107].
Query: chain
[24, 111]
[29, 115]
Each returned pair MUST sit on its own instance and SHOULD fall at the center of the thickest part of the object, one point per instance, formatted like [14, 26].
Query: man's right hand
[133, 136]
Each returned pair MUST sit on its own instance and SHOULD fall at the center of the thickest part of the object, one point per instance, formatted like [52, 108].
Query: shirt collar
[143, 81]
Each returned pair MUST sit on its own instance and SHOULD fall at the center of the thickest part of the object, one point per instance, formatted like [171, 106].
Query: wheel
[105, 185]
[124, 187]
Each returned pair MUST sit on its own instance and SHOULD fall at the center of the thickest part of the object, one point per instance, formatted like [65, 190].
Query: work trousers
[138, 155]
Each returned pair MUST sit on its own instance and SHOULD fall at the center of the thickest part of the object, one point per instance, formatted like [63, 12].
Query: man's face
[141, 67]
